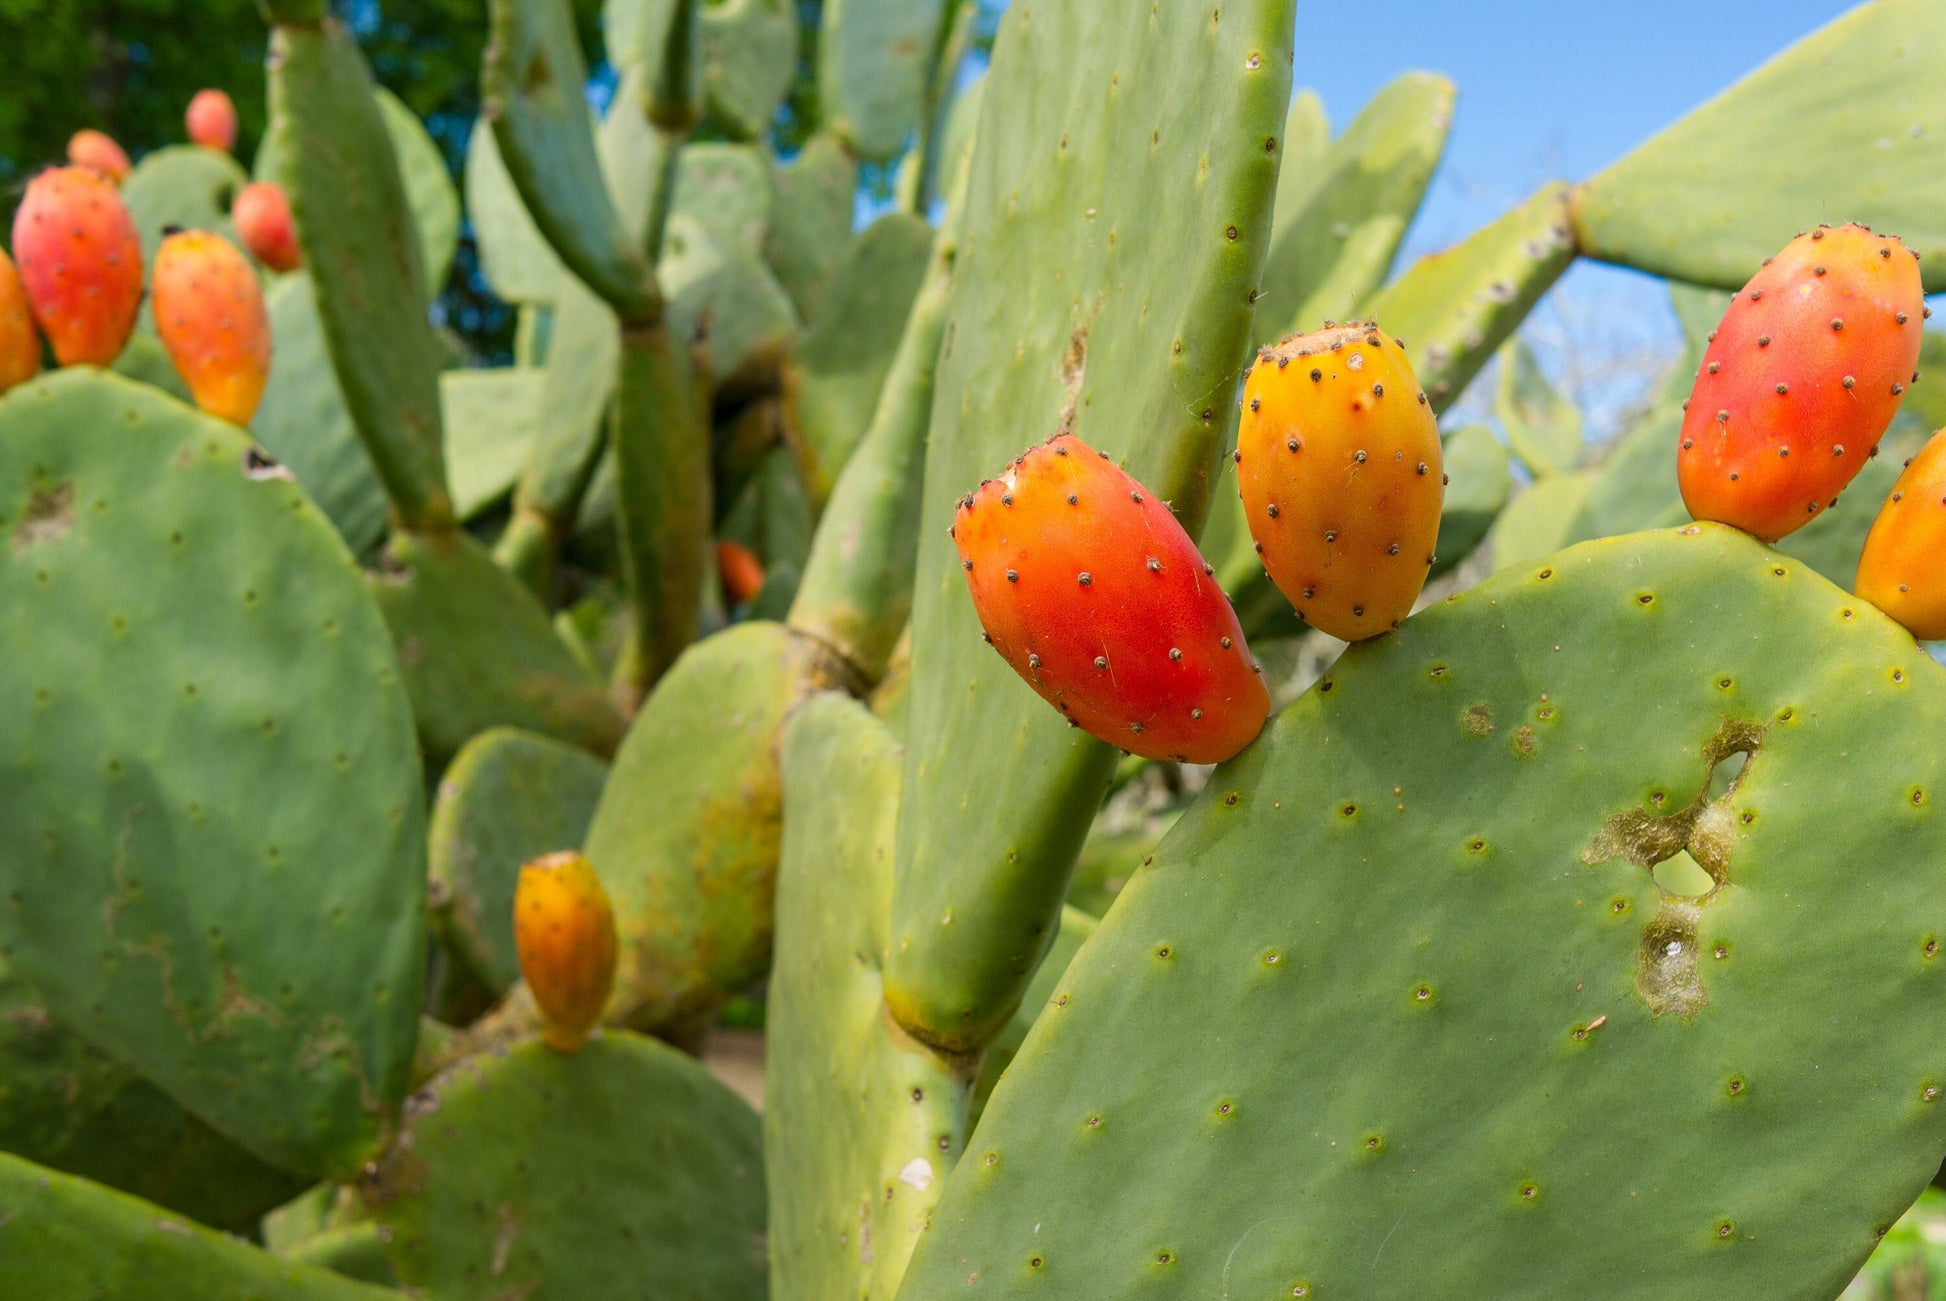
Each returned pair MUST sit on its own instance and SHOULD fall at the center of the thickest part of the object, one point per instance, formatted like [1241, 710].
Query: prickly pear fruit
[81, 264]
[263, 222]
[20, 346]
[564, 932]
[209, 310]
[1338, 462]
[740, 570]
[1090, 589]
[211, 119]
[91, 148]
[1903, 570]
[1800, 380]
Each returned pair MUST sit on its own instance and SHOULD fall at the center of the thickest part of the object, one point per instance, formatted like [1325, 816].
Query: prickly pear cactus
[621, 1170]
[1787, 742]
[182, 185]
[1057, 323]
[64, 1237]
[212, 772]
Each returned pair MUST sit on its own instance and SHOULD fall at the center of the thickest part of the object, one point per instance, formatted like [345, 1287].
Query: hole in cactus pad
[1687, 853]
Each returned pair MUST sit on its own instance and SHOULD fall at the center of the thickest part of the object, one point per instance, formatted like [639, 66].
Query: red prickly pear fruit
[209, 310]
[211, 120]
[263, 222]
[20, 346]
[81, 263]
[742, 573]
[1338, 460]
[1903, 570]
[91, 148]
[1800, 380]
[1090, 589]
[564, 932]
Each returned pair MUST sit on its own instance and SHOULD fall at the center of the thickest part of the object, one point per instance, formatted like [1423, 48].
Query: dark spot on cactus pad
[49, 516]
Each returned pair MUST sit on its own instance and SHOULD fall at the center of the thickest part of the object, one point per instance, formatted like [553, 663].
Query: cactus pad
[620, 1169]
[810, 226]
[507, 797]
[861, 1122]
[873, 60]
[63, 1238]
[490, 418]
[182, 185]
[515, 257]
[195, 805]
[749, 57]
[1370, 1024]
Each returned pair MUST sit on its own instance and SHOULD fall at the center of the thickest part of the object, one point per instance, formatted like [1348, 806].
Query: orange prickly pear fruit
[1090, 589]
[564, 932]
[80, 262]
[1903, 570]
[211, 120]
[1338, 461]
[742, 573]
[91, 148]
[209, 310]
[263, 222]
[1800, 380]
[20, 346]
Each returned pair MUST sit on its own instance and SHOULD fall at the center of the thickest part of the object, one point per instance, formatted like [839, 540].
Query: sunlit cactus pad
[1399, 1008]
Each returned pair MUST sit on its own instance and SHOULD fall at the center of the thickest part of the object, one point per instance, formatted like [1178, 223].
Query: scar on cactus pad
[81, 262]
[1903, 569]
[1800, 380]
[564, 932]
[1338, 463]
[1091, 590]
[209, 310]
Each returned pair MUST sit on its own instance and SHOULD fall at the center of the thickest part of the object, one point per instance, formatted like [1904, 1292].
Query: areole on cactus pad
[1093, 593]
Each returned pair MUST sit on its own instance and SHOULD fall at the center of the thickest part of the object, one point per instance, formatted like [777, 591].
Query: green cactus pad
[477, 650]
[65, 1103]
[145, 361]
[508, 796]
[839, 364]
[534, 87]
[1332, 250]
[514, 256]
[1076, 927]
[1057, 320]
[342, 175]
[727, 189]
[1715, 194]
[353, 1250]
[1455, 307]
[1305, 144]
[749, 57]
[194, 804]
[1543, 424]
[428, 189]
[873, 60]
[65, 1239]
[1478, 482]
[810, 224]
[1372, 1024]
[490, 417]
[1542, 518]
[685, 837]
[182, 185]
[721, 292]
[302, 420]
[861, 1121]
[620, 1170]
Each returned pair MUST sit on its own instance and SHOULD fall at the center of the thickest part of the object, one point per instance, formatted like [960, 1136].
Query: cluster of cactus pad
[421, 778]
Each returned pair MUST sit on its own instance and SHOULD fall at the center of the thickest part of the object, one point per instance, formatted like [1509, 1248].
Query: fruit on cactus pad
[81, 263]
[564, 934]
[262, 215]
[741, 572]
[20, 346]
[1903, 570]
[1800, 380]
[1338, 461]
[209, 310]
[91, 148]
[1090, 589]
[211, 120]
